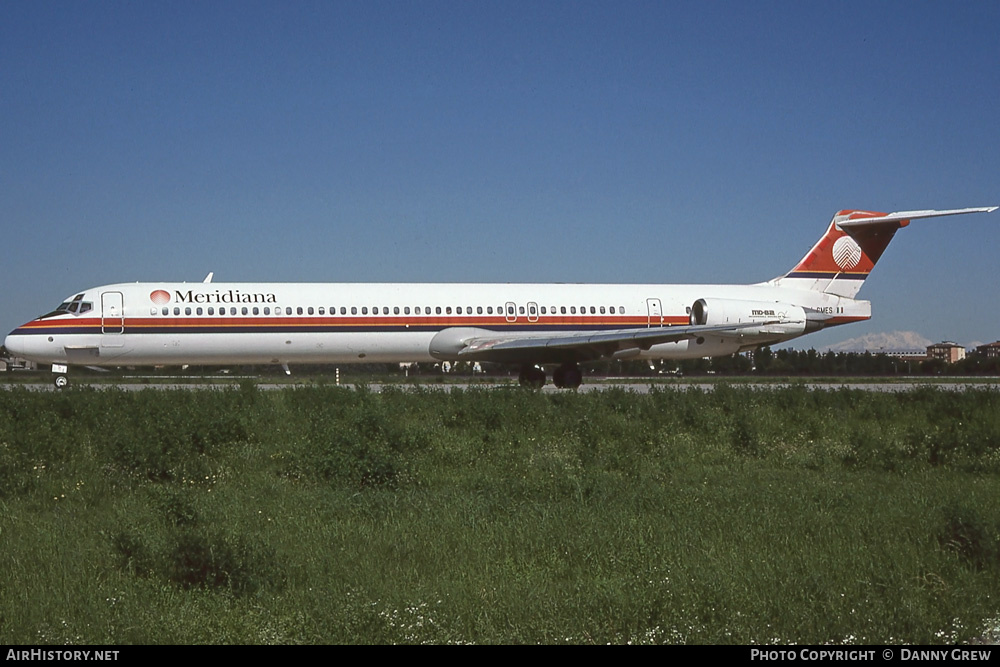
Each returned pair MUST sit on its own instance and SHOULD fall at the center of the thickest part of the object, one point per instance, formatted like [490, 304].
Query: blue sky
[499, 141]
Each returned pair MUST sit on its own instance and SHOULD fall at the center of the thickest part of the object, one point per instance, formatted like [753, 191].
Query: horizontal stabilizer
[906, 216]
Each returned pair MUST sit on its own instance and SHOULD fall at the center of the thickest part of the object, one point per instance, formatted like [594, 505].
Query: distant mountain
[891, 341]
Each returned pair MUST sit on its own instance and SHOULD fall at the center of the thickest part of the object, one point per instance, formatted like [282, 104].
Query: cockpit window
[76, 306]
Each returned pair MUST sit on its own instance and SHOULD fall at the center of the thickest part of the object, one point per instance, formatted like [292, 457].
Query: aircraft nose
[19, 343]
[14, 344]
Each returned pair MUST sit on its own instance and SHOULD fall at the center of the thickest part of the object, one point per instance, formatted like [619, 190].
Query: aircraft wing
[586, 345]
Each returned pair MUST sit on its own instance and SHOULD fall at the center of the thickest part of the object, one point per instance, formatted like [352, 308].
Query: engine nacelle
[774, 318]
[448, 343]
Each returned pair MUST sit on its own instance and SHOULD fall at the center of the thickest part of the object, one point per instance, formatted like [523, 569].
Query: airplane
[535, 326]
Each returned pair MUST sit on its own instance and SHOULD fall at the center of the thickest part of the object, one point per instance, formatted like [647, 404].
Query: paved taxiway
[637, 387]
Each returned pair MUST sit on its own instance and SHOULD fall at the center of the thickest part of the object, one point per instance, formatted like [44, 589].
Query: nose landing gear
[60, 379]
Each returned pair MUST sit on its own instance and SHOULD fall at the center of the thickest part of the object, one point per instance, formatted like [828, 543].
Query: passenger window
[152, 311]
[562, 309]
[385, 310]
[489, 310]
[321, 311]
[343, 310]
[177, 310]
[310, 310]
[187, 310]
[364, 310]
[267, 310]
[406, 310]
[479, 310]
[437, 310]
[447, 310]
[458, 310]
[593, 311]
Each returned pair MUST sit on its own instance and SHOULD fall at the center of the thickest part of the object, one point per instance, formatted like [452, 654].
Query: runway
[636, 386]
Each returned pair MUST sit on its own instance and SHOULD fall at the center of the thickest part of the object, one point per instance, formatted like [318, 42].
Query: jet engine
[774, 318]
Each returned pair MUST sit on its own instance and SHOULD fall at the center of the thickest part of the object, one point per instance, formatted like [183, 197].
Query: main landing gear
[567, 376]
[531, 377]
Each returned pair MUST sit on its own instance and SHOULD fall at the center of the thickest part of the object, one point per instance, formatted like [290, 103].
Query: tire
[531, 377]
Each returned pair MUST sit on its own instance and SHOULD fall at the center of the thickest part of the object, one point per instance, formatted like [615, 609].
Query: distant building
[908, 355]
[948, 352]
[990, 350]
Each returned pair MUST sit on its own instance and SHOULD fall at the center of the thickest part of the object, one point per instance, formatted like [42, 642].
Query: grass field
[321, 514]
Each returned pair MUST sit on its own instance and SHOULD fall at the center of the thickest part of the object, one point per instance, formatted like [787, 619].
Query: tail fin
[845, 255]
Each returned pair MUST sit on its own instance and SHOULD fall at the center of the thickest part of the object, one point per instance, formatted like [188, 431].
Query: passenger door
[112, 319]
[655, 313]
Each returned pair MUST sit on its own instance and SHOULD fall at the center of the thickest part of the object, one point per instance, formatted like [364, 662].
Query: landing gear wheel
[532, 377]
[567, 376]
[61, 382]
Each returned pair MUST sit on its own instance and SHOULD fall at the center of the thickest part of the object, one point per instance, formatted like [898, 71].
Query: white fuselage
[288, 323]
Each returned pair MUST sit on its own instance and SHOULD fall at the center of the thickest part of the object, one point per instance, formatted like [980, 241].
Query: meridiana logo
[846, 253]
[159, 297]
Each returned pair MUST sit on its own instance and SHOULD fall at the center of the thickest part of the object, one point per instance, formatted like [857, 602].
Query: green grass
[322, 514]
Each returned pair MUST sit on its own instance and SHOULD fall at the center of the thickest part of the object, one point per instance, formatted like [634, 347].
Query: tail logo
[846, 253]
